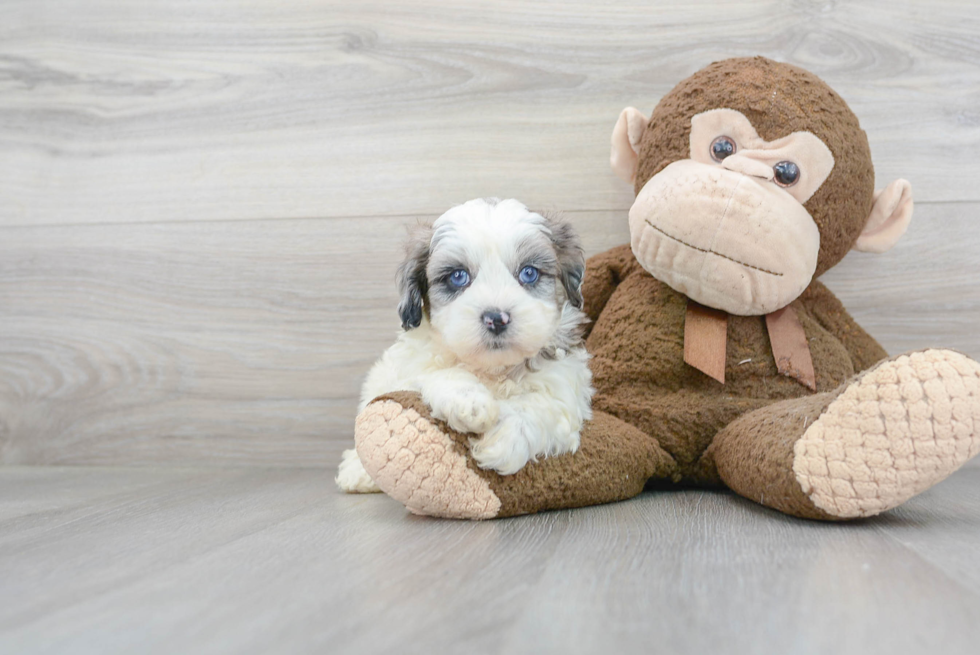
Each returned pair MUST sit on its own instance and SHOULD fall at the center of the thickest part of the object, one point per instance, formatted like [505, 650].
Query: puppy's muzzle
[496, 321]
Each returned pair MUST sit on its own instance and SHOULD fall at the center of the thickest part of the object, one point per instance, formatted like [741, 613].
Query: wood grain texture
[244, 109]
[201, 204]
[254, 561]
[216, 342]
[245, 343]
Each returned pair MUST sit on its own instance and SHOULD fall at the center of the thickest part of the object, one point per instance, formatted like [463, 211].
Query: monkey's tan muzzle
[725, 239]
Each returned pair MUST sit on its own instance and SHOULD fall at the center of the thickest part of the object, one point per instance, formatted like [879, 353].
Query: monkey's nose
[747, 166]
[496, 321]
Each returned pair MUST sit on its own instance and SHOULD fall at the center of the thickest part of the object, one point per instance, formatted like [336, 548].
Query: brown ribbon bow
[706, 342]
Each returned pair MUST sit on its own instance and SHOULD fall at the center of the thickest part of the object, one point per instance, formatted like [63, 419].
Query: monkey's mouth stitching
[712, 252]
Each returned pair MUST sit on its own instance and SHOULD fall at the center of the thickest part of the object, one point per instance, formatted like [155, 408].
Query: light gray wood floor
[124, 560]
[201, 205]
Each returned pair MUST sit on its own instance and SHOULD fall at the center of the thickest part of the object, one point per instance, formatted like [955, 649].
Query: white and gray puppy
[491, 312]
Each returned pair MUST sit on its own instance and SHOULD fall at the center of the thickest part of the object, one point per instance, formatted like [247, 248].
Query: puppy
[491, 311]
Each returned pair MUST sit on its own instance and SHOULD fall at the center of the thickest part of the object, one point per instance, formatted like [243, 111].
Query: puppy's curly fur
[491, 311]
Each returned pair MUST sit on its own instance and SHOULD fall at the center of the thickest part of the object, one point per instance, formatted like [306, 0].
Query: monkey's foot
[413, 460]
[891, 433]
[423, 463]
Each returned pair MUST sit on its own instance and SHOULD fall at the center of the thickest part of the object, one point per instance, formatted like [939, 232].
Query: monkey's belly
[640, 376]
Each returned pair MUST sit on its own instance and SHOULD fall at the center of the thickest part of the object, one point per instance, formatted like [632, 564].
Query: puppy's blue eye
[459, 278]
[528, 275]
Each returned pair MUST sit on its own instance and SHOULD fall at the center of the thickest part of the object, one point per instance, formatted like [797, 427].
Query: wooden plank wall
[201, 202]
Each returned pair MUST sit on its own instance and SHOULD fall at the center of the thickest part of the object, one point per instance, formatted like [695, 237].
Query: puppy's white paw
[351, 476]
[505, 448]
[470, 409]
[518, 438]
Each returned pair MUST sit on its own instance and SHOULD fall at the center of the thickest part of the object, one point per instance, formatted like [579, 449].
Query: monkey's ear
[413, 285]
[626, 143]
[889, 218]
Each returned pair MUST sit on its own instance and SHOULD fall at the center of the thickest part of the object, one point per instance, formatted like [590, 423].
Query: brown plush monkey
[718, 359]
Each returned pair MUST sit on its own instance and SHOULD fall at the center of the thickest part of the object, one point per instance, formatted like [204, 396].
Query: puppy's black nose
[496, 321]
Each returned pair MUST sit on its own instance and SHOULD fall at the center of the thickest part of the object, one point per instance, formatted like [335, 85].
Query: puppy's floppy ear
[413, 285]
[571, 258]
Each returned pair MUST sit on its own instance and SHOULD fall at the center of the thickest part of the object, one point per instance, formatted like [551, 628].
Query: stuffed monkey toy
[718, 358]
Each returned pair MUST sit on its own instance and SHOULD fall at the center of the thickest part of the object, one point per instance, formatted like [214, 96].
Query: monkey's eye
[722, 147]
[528, 275]
[786, 173]
[459, 278]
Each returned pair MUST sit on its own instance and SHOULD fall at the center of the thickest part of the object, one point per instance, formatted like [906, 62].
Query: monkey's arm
[824, 306]
[603, 273]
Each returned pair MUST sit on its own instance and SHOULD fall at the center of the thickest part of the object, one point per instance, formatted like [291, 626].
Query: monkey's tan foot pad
[892, 433]
[416, 463]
